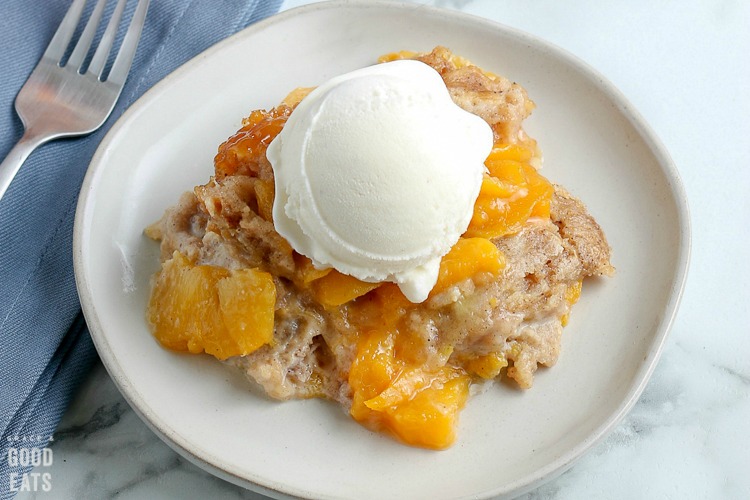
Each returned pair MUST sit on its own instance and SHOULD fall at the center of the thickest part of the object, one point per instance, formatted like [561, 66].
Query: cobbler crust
[517, 314]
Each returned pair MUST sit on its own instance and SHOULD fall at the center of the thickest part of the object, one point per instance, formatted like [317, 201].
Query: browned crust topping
[518, 314]
[500, 102]
[579, 229]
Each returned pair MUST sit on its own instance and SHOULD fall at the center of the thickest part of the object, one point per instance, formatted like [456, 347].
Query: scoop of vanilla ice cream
[377, 172]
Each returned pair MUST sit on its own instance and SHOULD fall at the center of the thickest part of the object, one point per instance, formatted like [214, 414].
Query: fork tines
[59, 44]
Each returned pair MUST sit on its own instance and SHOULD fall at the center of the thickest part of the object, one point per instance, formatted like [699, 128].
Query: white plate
[509, 441]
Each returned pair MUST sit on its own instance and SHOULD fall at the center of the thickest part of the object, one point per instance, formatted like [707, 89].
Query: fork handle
[23, 148]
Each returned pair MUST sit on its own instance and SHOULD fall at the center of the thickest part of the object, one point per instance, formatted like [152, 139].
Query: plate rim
[215, 465]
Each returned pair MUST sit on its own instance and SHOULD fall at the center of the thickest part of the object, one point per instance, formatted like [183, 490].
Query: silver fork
[60, 101]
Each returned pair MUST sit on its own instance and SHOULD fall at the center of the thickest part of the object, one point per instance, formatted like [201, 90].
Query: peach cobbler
[398, 355]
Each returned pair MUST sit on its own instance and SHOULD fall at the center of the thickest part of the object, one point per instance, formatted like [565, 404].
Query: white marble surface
[685, 66]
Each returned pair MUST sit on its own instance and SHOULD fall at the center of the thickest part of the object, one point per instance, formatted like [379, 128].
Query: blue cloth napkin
[45, 348]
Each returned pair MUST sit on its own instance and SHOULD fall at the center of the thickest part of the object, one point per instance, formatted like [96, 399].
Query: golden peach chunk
[468, 257]
[335, 288]
[197, 308]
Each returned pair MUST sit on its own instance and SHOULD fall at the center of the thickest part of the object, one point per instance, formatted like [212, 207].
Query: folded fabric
[45, 349]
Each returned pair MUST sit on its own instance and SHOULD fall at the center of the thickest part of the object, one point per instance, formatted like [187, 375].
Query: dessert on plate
[385, 241]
